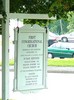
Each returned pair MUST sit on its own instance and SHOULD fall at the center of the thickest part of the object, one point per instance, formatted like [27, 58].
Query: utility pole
[61, 26]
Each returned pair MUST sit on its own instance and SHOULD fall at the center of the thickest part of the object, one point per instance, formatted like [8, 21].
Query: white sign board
[30, 65]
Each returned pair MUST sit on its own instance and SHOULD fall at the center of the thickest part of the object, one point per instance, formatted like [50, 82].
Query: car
[61, 50]
[52, 38]
[69, 37]
[51, 41]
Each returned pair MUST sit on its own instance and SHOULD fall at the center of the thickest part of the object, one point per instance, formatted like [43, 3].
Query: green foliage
[58, 8]
[2, 11]
[11, 62]
[1, 6]
[61, 62]
[61, 7]
[35, 21]
[29, 6]
[50, 7]
[58, 26]
[70, 21]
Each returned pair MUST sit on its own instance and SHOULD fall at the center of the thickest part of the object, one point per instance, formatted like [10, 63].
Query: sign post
[30, 58]
[5, 53]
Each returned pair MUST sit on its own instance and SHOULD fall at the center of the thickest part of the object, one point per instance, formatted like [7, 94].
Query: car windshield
[62, 45]
[55, 45]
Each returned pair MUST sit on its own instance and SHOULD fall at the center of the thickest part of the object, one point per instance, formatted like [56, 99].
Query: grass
[11, 62]
[0, 63]
[67, 62]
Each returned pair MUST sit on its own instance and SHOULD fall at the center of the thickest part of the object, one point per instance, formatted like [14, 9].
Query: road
[59, 87]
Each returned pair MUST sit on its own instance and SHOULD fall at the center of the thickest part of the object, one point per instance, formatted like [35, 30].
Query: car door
[65, 51]
[56, 50]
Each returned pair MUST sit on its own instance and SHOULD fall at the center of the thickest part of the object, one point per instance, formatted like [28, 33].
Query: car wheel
[73, 56]
[50, 55]
[64, 39]
[61, 57]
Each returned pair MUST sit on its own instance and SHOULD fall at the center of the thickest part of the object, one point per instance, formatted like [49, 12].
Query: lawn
[67, 62]
[11, 62]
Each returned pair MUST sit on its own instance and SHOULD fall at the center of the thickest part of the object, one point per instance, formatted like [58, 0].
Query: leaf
[50, 14]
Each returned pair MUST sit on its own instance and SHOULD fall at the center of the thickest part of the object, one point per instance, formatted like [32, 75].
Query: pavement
[51, 69]
[59, 87]
[11, 68]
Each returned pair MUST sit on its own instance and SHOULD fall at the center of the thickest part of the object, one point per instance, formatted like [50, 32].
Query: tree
[1, 6]
[58, 26]
[70, 21]
[2, 10]
[59, 8]
[50, 7]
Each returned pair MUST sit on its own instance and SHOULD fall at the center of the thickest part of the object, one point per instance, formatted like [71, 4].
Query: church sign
[30, 58]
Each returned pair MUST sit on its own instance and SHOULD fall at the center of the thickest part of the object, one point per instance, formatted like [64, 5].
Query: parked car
[51, 41]
[61, 50]
[52, 38]
[67, 37]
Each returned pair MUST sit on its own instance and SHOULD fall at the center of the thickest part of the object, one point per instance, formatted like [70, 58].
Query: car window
[64, 46]
[71, 34]
[67, 45]
[55, 45]
[58, 45]
[71, 46]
